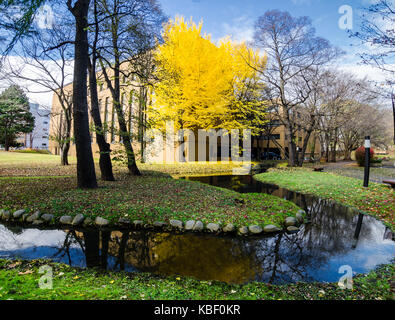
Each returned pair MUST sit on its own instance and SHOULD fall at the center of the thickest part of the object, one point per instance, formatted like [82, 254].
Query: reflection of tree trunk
[276, 257]
[105, 239]
[122, 249]
[92, 251]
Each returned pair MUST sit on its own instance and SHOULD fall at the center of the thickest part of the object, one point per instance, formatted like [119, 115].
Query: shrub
[360, 156]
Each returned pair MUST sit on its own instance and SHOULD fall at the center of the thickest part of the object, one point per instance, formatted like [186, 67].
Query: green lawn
[32, 164]
[19, 281]
[151, 197]
[378, 200]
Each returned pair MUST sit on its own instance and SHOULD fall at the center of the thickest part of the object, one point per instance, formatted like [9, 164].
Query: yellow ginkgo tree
[203, 85]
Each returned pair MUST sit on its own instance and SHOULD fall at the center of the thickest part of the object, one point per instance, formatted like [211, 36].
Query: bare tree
[104, 147]
[45, 63]
[128, 32]
[293, 51]
[377, 30]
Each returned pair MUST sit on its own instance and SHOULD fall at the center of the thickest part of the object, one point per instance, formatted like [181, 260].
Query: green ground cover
[151, 197]
[378, 200]
[19, 281]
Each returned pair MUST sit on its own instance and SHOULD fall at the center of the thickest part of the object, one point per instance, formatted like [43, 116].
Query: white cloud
[241, 28]
[35, 92]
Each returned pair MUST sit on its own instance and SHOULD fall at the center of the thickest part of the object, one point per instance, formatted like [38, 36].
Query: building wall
[156, 151]
[39, 137]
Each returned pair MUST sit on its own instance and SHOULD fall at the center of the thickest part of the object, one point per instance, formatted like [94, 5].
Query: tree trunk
[132, 166]
[104, 147]
[64, 150]
[304, 148]
[86, 175]
[6, 142]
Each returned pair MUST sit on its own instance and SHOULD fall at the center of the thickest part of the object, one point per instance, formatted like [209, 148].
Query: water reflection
[336, 236]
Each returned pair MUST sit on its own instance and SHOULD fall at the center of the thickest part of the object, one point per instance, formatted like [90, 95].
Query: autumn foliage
[203, 85]
[360, 156]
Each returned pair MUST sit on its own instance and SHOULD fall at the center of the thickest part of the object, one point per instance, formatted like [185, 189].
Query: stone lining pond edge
[289, 225]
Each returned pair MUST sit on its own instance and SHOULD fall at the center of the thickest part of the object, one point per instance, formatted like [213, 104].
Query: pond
[336, 236]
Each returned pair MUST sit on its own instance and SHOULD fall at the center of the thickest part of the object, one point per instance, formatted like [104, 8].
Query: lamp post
[367, 161]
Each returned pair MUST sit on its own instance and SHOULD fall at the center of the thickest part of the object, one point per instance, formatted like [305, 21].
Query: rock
[229, 228]
[255, 229]
[293, 229]
[65, 220]
[243, 230]
[213, 227]
[34, 216]
[176, 224]
[159, 224]
[24, 216]
[101, 222]
[17, 214]
[124, 221]
[6, 215]
[290, 221]
[47, 217]
[198, 226]
[299, 216]
[138, 222]
[87, 222]
[271, 229]
[189, 225]
[78, 219]
[38, 222]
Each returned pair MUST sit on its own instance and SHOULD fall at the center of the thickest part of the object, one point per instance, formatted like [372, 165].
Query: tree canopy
[15, 117]
[202, 85]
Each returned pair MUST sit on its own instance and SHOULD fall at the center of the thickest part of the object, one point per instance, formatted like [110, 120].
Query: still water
[335, 237]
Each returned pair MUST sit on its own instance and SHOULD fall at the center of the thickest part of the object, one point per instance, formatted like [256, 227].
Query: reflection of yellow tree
[168, 254]
[214, 258]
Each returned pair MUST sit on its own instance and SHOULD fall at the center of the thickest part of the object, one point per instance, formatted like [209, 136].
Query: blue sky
[225, 17]
[236, 18]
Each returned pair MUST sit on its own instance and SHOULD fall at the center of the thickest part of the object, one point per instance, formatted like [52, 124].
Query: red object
[360, 155]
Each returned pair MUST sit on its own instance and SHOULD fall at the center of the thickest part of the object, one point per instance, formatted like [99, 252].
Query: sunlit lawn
[377, 200]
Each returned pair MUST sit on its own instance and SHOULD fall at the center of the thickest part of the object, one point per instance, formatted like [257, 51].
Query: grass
[19, 281]
[15, 164]
[378, 200]
[151, 197]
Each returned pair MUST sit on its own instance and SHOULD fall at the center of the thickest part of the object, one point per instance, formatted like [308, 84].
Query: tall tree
[15, 117]
[20, 25]
[202, 85]
[104, 147]
[293, 51]
[86, 175]
[128, 31]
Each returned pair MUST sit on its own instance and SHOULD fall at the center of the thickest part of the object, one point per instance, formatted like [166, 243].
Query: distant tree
[48, 65]
[15, 117]
[294, 53]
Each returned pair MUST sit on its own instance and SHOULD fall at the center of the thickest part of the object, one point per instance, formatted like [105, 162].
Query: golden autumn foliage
[203, 85]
